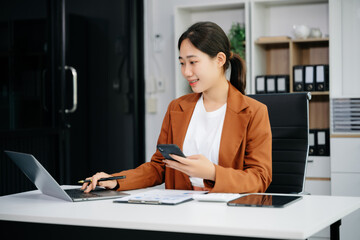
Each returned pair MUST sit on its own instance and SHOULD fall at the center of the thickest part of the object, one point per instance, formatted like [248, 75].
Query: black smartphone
[166, 149]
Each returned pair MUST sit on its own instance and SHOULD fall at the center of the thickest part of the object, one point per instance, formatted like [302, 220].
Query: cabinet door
[351, 48]
[28, 106]
[345, 154]
[26, 90]
[344, 21]
[318, 167]
[317, 187]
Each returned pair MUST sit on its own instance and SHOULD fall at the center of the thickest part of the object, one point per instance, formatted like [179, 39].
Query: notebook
[42, 179]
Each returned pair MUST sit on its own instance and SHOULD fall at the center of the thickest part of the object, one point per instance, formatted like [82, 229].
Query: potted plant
[237, 39]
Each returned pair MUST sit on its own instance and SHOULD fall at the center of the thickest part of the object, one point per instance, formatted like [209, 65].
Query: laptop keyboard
[77, 193]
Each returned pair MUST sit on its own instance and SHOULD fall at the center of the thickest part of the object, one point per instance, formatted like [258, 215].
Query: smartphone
[166, 149]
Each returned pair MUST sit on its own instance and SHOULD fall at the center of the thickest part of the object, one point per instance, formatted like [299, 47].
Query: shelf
[350, 135]
[276, 40]
[289, 2]
[273, 40]
[269, 30]
[317, 157]
[319, 112]
[310, 40]
[319, 93]
[275, 57]
[317, 179]
[310, 52]
[316, 93]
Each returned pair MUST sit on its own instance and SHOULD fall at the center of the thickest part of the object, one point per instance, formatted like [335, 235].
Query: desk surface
[299, 220]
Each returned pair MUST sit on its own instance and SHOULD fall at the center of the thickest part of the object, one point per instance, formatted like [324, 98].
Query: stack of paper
[159, 196]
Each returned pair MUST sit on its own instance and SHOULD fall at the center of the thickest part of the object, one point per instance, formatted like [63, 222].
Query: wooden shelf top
[273, 40]
[350, 135]
[265, 42]
[310, 40]
[316, 93]
[281, 40]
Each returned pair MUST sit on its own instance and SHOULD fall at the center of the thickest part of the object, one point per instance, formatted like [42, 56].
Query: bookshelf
[279, 58]
[275, 51]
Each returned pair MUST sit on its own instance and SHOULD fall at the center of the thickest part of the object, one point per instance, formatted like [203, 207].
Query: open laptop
[31, 167]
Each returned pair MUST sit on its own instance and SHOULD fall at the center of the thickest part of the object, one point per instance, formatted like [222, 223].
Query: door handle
[74, 78]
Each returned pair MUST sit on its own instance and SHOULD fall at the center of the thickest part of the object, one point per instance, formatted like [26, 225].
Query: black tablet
[263, 200]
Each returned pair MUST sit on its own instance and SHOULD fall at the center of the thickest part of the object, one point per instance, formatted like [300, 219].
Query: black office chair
[288, 113]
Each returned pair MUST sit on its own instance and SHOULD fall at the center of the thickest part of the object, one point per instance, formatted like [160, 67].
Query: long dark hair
[209, 38]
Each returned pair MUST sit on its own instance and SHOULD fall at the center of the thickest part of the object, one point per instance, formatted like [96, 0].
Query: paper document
[216, 197]
[160, 196]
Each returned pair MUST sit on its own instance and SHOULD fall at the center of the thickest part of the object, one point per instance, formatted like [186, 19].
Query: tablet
[263, 200]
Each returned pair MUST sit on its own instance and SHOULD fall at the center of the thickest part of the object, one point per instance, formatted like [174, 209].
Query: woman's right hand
[89, 186]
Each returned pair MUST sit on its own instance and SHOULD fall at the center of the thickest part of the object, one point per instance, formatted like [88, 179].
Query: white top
[203, 135]
[299, 220]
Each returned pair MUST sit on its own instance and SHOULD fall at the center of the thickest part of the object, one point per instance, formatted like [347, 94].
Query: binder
[322, 77]
[312, 142]
[270, 84]
[298, 73]
[323, 147]
[309, 78]
[282, 83]
[260, 84]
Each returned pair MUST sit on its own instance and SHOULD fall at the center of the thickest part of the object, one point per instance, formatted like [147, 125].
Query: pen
[103, 179]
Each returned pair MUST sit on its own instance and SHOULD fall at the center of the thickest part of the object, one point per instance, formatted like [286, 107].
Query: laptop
[37, 174]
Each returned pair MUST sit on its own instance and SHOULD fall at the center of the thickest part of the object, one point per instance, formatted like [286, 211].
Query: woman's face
[200, 70]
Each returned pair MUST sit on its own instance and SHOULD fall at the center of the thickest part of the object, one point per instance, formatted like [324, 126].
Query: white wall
[159, 19]
[282, 18]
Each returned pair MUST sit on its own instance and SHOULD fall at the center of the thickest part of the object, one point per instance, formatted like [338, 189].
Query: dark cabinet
[23, 60]
[71, 87]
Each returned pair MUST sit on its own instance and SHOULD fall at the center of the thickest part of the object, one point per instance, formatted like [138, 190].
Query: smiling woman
[206, 39]
[225, 135]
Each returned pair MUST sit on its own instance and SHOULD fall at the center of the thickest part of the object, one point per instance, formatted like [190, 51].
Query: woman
[225, 134]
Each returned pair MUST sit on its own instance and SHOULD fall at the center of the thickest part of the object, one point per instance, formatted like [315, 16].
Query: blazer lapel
[180, 120]
[234, 128]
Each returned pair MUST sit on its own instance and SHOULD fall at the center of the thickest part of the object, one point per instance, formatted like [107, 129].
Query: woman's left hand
[194, 166]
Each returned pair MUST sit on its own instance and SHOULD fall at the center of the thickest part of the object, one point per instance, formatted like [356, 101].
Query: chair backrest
[288, 114]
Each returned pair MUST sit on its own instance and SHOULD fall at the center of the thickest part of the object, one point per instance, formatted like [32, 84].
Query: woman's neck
[216, 96]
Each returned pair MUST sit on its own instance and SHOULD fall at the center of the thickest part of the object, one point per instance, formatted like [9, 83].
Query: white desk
[299, 220]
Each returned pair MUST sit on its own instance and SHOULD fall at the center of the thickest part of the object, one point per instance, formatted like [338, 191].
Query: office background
[337, 174]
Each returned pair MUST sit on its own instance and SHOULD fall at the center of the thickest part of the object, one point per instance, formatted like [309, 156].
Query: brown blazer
[245, 163]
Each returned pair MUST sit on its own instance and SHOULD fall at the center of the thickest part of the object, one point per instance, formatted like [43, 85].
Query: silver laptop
[47, 184]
